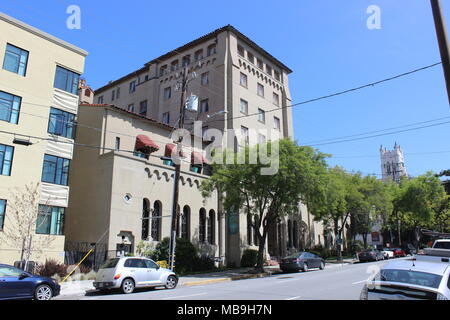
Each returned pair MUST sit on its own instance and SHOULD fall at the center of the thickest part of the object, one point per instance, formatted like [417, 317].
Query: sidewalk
[79, 288]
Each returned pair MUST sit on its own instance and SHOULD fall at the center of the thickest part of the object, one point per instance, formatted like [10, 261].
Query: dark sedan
[301, 261]
[370, 255]
[18, 284]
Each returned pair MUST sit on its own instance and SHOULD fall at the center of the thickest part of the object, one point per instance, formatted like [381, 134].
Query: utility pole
[441, 33]
[175, 213]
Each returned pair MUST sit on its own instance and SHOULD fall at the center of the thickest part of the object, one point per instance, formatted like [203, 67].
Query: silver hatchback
[128, 273]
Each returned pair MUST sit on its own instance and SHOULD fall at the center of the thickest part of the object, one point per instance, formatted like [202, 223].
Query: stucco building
[243, 94]
[38, 105]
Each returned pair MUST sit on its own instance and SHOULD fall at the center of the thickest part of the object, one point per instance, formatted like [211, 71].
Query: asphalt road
[335, 282]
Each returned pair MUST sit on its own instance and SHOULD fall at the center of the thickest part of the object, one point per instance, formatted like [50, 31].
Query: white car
[442, 244]
[388, 253]
[424, 277]
[128, 273]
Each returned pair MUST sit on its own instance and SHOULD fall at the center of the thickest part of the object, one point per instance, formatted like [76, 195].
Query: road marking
[293, 298]
[190, 295]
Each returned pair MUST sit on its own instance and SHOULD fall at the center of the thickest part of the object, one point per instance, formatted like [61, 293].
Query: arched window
[145, 218]
[295, 231]
[211, 50]
[249, 229]
[156, 221]
[202, 226]
[289, 233]
[211, 227]
[185, 222]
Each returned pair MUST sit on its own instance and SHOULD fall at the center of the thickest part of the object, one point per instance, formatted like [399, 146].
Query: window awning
[198, 158]
[171, 147]
[146, 144]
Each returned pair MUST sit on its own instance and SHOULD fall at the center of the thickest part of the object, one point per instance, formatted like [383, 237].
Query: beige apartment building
[242, 91]
[38, 105]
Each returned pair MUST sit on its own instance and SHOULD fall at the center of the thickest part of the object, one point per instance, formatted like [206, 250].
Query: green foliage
[249, 258]
[266, 197]
[187, 258]
[144, 249]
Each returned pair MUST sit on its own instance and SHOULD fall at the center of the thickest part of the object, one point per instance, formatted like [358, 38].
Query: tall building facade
[392, 163]
[38, 106]
[242, 92]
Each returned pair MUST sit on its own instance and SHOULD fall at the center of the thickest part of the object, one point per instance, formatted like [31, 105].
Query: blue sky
[326, 43]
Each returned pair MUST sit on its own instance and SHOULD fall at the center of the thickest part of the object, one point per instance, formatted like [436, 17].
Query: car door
[12, 285]
[309, 258]
[154, 272]
[138, 270]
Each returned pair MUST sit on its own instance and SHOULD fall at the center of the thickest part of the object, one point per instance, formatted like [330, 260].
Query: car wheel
[127, 286]
[305, 267]
[171, 282]
[43, 292]
[322, 266]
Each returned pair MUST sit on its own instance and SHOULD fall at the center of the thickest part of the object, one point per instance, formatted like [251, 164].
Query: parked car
[425, 277]
[128, 273]
[370, 255]
[18, 284]
[387, 253]
[442, 244]
[302, 261]
[409, 249]
[398, 253]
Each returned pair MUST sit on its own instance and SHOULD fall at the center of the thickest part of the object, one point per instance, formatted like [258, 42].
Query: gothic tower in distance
[392, 163]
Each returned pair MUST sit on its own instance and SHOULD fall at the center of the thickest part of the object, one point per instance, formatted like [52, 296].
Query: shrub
[50, 268]
[249, 258]
[163, 264]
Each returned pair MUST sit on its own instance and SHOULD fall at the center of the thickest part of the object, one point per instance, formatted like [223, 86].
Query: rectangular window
[244, 106]
[166, 118]
[117, 145]
[186, 60]
[9, 107]
[244, 135]
[261, 115]
[276, 75]
[211, 50]
[163, 70]
[250, 57]
[276, 99]
[2, 213]
[50, 220]
[118, 93]
[198, 55]
[6, 155]
[66, 80]
[167, 93]
[205, 78]
[132, 86]
[276, 123]
[268, 70]
[100, 100]
[113, 95]
[16, 60]
[55, 170]
[130, 107]
[259, 63]
[61, 123]
[174, 65]
[261, 138]
[143, 108]
[260, 90]
[243, 80]
[241, 50]
[204, 105]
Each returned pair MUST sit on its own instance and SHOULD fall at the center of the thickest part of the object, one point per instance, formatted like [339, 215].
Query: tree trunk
[364, 236]
[399, 240]
[260, 261]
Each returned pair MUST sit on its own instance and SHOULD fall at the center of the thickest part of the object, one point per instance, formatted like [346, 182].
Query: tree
[266, 198]
[419, 200]
[21, 223]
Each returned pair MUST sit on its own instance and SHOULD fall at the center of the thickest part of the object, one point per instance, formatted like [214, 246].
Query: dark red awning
[171, 147]
[198, 158]
[145, 143]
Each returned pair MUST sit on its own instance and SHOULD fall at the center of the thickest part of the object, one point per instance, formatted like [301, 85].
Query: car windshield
[295, 255]
[111, 263]
[411, 277]
[442, 245]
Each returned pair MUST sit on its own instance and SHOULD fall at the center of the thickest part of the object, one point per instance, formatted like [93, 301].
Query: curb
[232, 278]
[200, 282]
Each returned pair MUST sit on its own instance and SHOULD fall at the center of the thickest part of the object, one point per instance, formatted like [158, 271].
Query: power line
[377, 135]
[377, 156]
